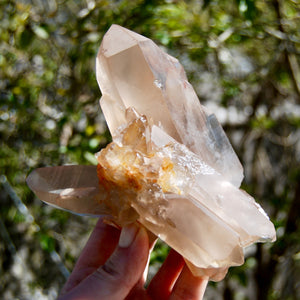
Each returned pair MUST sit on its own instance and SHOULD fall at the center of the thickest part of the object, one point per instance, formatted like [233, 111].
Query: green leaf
[47, 243]
[26, 37]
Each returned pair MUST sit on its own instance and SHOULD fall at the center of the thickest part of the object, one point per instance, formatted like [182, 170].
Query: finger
[138, 291]
[152, 240]
[100, 245]
[162, 283]
[122, 270]
[98, 249]
[188, 287]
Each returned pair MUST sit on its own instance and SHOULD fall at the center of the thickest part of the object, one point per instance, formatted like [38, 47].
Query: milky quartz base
[170, 165]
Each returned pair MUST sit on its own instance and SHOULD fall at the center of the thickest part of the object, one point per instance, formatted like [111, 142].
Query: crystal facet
[73, 188]
[170, 165]
[133, 72]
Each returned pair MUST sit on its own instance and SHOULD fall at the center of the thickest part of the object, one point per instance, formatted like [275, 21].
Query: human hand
[112, 264]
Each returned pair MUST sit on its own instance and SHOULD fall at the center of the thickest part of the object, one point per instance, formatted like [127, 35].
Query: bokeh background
[241, 56]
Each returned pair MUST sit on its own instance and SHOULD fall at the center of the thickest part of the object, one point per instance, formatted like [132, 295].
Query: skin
[112, 266]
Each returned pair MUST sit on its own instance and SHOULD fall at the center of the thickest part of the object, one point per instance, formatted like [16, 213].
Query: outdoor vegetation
[243, 59]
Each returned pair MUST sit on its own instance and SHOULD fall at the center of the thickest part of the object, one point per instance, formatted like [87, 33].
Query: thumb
[122, 270]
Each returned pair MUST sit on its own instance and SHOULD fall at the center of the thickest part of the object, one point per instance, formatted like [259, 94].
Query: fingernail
[127, 236]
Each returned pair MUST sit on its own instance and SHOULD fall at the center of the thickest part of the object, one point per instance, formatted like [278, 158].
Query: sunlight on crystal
[170, 165]
[63, 192]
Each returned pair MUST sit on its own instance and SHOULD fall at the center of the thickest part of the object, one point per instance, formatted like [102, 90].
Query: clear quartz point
[73, 188]
[134, 72]
[170, 165]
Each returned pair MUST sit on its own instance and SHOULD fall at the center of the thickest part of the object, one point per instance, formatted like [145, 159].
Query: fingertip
[142, 236]
[125, 266]
[134, 236]
[128, 235]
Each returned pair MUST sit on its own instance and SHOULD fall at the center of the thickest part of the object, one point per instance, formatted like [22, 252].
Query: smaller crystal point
[73, 188]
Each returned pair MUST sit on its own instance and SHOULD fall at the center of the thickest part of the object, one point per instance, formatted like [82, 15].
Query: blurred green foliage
[241, 56]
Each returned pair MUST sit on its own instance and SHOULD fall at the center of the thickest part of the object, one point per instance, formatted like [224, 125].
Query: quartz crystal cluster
[170, 165]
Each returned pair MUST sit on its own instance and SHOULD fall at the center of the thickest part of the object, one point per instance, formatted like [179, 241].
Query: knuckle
[108, 271]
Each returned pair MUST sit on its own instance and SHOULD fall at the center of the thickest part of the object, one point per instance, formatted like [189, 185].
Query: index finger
[101, 244]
